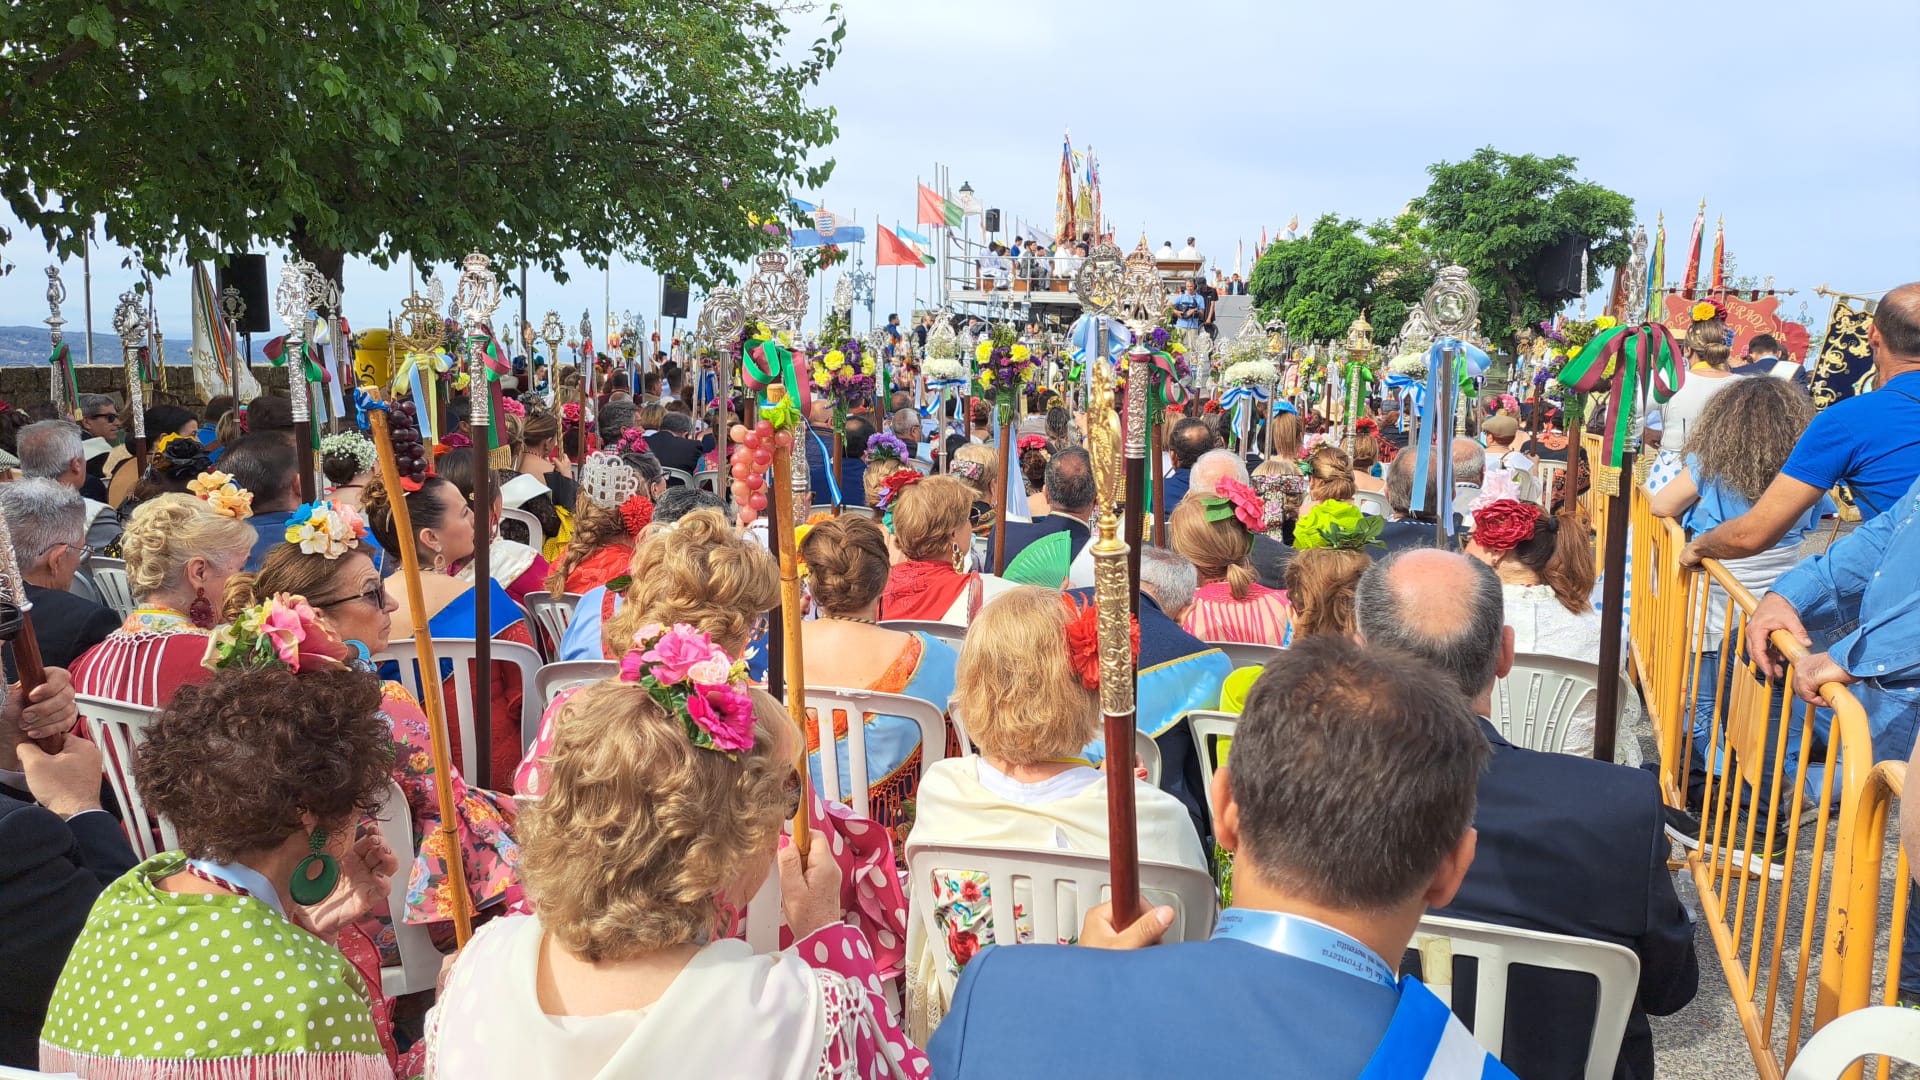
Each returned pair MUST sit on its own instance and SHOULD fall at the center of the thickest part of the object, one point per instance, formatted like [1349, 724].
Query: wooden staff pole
[1005, 485]
[1115, 594]
[429, 679]
[1618, 489]
[790, 612]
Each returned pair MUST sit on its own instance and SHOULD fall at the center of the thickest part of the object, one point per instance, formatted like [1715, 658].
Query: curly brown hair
[699, 572]
[234, 762]
[594, 527]
[1746, 431]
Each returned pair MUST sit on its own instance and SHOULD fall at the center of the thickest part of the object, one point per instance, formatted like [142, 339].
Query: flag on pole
[1720, 256]
[1239, 249]
[1657, 273]
[1690, 279]
[1293, 227]
[1063, 191]
[935, 210]
[893, 251]
[802, 207]
[908, 234]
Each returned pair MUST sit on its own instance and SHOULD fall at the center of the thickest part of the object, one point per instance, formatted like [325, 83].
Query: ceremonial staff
[1115, 594]
[718, 333]
[130, 322]
[62, 384]
[553, 334]
[233, 308]
[478, 297]
[16, 628]
[374, 411]
[1142, 300]
[297, 300]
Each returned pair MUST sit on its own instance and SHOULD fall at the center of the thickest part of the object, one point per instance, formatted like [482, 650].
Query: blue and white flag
[1425, 1041]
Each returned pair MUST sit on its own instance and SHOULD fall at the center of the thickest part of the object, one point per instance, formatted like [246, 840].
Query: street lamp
[965, 189]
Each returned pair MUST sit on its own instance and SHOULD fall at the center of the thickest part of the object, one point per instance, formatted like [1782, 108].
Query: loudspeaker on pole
[673, 305]
[248, 273]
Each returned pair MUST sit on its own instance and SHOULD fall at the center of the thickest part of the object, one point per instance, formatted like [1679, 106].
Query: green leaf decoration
[1359, 538]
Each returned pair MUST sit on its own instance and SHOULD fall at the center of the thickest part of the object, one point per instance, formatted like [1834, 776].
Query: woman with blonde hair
[1708, 346]
[935, 540]
[1027, 679]
[664, 794]
[978, 466]
[1328, 514]
[180, 553]
[1320, 587]
[1215, 534]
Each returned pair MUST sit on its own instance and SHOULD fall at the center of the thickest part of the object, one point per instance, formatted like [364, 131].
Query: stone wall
[25, 387]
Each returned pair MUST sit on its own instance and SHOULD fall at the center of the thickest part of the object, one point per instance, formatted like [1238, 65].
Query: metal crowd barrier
[1800, 950]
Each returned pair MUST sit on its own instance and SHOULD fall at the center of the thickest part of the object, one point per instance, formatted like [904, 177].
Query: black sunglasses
[105, 416]
[376, 594]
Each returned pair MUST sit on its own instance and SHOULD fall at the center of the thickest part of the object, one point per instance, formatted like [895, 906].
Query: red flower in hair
[1083, 640]
[1031, 442]
[636, 513]
[892, 486]
[1367, 425]
[1505, 524]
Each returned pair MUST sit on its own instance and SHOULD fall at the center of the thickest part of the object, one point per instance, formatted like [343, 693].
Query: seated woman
[613, 511]
[1366, 460]
[846, 561]
[621, 960]
[541, 457]
[1215, 534]
[1545, 565]
[1328, 509]
[1278, 480]
[1027, 682]
[180, 552]
[978, 466]
[935, 538]
[228, 952]
[516, 567]
[330, 564]
[172, 464]
[1034, 455]
[1320, 586]
[161, 421]
[1737, 447]
[443, 536]
[349, 460]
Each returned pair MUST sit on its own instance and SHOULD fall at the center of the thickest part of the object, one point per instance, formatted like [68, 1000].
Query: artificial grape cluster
[409, 451]
[752, 453]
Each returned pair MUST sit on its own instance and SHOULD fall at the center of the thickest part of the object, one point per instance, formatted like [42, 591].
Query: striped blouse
[1215, 615]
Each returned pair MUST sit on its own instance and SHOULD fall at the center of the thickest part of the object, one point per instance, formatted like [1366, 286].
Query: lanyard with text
[1304, 939]
[244, 880]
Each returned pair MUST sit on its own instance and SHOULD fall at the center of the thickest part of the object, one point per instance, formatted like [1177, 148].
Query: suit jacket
[1022, 533]
[675, 452]
[1405, 535]
[51, 871]
[1570, 845]
[1271, 1014]
[67, 625]
[1270, 558]
[1177, 483]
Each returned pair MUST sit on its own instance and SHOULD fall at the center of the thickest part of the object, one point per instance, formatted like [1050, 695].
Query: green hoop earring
[307, 888]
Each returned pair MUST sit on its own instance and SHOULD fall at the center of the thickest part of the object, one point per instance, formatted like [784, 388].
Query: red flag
[1720, 257]
[935, 210]
[894, 251]
[1691, 277]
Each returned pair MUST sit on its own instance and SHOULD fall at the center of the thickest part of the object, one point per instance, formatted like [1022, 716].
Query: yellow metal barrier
[1799, 950]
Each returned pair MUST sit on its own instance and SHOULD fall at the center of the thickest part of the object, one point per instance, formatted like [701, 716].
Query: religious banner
[1746, 318]
[1845, 367]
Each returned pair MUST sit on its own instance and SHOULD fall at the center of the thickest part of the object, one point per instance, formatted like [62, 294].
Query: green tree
[1496, 214]
[1321, 282]
[650, 129]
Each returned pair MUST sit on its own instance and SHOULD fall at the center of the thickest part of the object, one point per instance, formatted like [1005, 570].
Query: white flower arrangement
[944, 369]
[1250, 373]
[1412, 365]
[353, 445]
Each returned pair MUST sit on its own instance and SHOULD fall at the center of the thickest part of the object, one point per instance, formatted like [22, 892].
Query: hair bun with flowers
[178, 457]
[222, 495]
[1233, 499]
[886, 446]
[281, 632]
[352, 445]
[895, 483]
[1083, 640]
[1505, 524]
[631, 441]
[1710, 308]
[326, 529]
[695, 681]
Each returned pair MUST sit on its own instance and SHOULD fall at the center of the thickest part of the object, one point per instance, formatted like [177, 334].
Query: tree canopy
[650, 129]
[1496, 214]
[1322, 281]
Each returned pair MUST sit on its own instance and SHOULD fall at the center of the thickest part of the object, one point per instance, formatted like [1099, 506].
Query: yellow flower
[167, 440]
[1703, 311]
[835, 360]
[1605, 322]
[984, 353]
[986, 379]
[821, 378]
[1020, 353]
[866, 367]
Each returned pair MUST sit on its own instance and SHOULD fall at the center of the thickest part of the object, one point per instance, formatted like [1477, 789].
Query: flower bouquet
[1411, 365]
[1003, 366]
[1250, 373]
[845, 372]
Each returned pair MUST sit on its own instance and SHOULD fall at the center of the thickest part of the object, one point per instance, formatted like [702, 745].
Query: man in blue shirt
[1870, 442]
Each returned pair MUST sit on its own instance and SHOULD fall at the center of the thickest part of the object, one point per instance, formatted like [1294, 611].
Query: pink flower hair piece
[1248, 509]
[687, 675]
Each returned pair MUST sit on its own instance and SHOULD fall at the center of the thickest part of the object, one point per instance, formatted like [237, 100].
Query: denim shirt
[1868, 585]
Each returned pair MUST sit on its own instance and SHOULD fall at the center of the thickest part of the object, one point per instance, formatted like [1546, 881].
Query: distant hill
[23, 346]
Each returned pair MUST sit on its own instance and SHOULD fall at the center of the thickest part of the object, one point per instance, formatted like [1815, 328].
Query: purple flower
[1157, 339]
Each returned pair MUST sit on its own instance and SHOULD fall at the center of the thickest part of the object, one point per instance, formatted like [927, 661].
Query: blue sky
[1214, 120]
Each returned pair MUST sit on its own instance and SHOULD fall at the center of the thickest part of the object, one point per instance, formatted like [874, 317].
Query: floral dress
[1281, 496]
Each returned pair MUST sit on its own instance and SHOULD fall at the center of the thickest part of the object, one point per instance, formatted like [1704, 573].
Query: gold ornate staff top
[1111, 583]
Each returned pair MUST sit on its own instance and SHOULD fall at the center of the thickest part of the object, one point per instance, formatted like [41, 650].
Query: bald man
[1869, 442]
[1567, 845]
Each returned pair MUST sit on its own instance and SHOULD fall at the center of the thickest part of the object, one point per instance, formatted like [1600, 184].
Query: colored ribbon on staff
[1086, 343]
[1466, 363]
[767, 362]
[1163, 387]
[62, 358]
[1635, 364]
[1411, 393]
[365, 405]
[419, 372]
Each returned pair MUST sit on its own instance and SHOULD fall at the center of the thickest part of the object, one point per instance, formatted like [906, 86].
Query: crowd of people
[614, 856]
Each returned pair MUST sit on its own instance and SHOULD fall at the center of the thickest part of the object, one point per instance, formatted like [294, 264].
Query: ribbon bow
[420, 373]
[1468, 363]
[1412, 394]
[1634, 363]
[366, 404]
[1086, 344]
[767, 362]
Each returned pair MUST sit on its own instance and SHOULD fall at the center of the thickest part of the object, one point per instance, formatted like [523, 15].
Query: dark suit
[1270, 558]
[1569, 845]
[675, 452]
[1022, 533]
[1404, 535]
[67, 625]
[51, 871]
[1177, 483]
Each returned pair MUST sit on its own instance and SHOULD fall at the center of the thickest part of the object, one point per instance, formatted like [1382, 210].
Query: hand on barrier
[1772, 613]
[1815, 671]
[1690, 557]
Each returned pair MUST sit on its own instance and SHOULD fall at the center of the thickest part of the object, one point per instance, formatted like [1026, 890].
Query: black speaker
[673, 304]
[1556, 271]
[248, 273]
[993, 221]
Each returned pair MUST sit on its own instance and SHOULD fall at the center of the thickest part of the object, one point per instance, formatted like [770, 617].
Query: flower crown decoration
[1083, 640]
[1710, 308]
[1367, 425]
[972, 471]
[1031, 442]
[1505, 524]
[512, 405]
[351, 444]
[694, 681]
[221, 494]
[886, 446]
[1233, 499]
[893, 485]
[326, 528]
[570, 412]
[178, 457]
[636, 514]
[282, 632]
[631, 441]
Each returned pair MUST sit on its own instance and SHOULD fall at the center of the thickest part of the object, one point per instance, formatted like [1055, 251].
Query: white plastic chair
[549, 616]
[952, 634]
[110, 579]
[1145, 750]
[1207, 726]
[419, 961]
[119, 728]
[1547, 470]
[1372, 504]
[1534, 705]
[824, 701]
[1495, 949]
[1062, 886]
[1886, 1031]
[709, 480]
[1247, 653]
[682, 475]
[460, 652]
[536, 536]
[562, 675]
